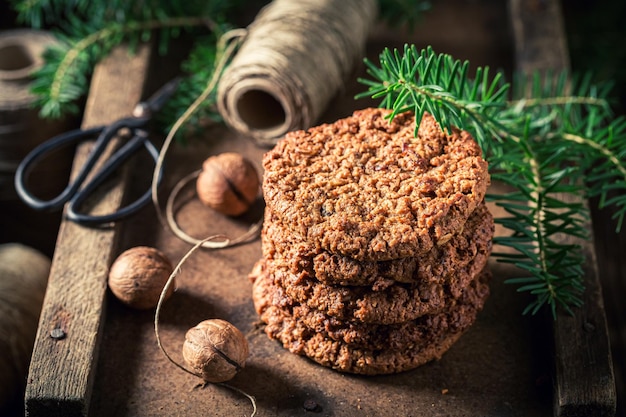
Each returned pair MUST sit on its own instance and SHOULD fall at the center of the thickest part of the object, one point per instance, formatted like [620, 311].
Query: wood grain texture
[584, 380]
[611, 247]
[62, 368]
[492, 371]
[496, 369]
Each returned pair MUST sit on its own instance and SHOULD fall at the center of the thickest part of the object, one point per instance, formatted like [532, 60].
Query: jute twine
[228, 44]
[23, 278]
[21, 129]
[295, 58]
[21, 53]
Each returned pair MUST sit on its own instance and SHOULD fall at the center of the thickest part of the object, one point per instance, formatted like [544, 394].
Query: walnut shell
[138, 275]
[215, 350]
[228, 183]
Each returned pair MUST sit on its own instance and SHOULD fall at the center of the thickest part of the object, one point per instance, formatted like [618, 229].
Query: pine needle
[544, 136]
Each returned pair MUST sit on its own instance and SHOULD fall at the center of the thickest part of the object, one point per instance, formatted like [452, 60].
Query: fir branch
[403, 12]
[536, 218]
[192, 86]
[440, 85]
[40, 13]
[581, 117]
[88, 31]
[60, 83]
[555, 136]
[609, 146]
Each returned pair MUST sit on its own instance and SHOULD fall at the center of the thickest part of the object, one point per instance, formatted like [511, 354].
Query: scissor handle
[104, 135]
[41, 151]
[140, 138]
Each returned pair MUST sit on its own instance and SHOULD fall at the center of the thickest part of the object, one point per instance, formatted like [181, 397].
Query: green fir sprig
[64, 79]
[197, 69]
[402, 12]
[546, 138]
[87, 31]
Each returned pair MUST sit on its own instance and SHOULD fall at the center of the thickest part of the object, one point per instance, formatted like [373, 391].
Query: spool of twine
[21, 54]
[23, 278]
[295, 58]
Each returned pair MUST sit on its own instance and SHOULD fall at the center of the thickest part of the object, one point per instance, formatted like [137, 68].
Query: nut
[228, 183]
[215, 350]
[138, 275]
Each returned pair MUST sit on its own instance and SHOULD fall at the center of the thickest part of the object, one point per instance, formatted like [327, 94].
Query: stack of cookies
[375, 242]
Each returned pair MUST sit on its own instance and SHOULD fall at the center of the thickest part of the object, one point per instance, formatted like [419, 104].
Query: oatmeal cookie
[393, 303]
[328, 346]
[367, 188]
[276, 309]
[472, 244]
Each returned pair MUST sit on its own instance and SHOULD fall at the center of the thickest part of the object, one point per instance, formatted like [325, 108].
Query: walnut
[228, 183]
[215, 350]
[138, 275]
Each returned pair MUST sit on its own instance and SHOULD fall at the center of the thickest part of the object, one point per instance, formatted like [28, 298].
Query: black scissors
[137, 124]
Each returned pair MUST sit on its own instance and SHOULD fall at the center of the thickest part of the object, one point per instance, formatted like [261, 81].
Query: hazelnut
[228, 183]
[215, 350]
[138, 275]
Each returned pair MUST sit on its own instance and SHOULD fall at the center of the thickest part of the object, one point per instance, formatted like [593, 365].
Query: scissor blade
[160, 97]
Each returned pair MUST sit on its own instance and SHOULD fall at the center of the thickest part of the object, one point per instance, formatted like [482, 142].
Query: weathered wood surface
[63, 367]
[500, 367]
[497, 368]
[611, 247]
[584, 381]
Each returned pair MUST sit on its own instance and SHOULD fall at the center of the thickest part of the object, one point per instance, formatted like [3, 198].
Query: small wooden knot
[589, 327]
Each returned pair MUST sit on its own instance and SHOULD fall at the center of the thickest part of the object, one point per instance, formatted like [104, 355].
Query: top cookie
[368, 188]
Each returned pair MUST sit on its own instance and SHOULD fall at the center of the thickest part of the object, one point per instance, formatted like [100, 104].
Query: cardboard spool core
[295, 57]
[260, 110]
[16, 61]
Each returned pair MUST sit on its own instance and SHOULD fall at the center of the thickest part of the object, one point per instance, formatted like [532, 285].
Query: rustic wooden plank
[492, 371]
[487, 373]
[610, 250]
[584, 380]
[539, 35]
[62, 368]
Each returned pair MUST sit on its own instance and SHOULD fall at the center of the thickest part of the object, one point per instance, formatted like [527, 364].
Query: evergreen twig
[64, 79]
[403, 12]
[545, 137]
[88, 31]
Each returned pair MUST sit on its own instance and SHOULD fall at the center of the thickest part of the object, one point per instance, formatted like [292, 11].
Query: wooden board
[495, 369]
[502, 366]
[584, 382]
[68, 339]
